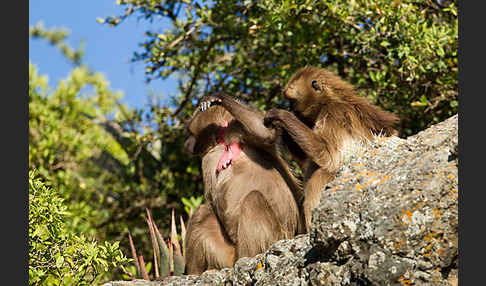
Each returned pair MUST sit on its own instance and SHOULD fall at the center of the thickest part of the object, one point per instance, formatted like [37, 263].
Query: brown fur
[261, 138]
[251, 201]
[215, 250]
[328, 115]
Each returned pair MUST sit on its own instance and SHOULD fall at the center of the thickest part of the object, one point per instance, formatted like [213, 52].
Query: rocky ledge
[389, 218]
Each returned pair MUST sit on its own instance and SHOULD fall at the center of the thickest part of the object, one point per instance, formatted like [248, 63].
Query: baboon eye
[315, 85]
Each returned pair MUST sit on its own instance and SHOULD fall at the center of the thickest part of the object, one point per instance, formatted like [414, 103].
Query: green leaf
[385, 44]
[59, 261]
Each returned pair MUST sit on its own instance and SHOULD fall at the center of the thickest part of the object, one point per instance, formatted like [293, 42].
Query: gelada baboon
[249, 204]
[329, 117]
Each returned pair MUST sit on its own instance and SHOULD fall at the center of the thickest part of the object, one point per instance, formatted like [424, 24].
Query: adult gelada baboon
[248, 191]
[329, 117]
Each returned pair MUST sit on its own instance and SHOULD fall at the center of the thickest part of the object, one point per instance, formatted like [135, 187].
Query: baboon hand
[272, 118]
[208, 101]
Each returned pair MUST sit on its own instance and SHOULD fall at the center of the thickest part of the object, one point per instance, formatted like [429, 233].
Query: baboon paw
[271, 118]
[207, 102]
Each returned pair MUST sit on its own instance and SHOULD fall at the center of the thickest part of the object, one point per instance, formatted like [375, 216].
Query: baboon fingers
[207, 102]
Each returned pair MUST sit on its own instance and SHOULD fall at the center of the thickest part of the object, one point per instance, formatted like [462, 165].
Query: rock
[389, 218]
[395, 206]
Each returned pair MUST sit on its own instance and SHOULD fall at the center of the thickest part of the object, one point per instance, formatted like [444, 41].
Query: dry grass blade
[155, 245]
[134, 255]
[183, 236]
[173, 231]
[171, 258]
[164, 253]
[144, 269]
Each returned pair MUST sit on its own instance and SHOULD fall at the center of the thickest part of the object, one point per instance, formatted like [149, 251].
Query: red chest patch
[231, 151]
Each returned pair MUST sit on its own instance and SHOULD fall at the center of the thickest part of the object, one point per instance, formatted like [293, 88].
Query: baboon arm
[315, 147]
[251, 119]
[297, 154]
[313, 189]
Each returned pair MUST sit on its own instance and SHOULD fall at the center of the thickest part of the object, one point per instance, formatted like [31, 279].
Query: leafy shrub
[107, 162]
[401, 54]
[57, 255]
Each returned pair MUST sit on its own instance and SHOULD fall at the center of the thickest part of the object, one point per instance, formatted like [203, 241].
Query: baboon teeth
[227, 164]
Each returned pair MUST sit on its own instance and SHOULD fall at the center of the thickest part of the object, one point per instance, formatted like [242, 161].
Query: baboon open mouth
[226, 164]
[230, 153]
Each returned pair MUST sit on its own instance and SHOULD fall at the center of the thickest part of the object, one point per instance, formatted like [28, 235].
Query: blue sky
[107, 50]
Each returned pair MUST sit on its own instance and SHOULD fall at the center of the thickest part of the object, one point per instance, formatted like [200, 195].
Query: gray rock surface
[389, 218]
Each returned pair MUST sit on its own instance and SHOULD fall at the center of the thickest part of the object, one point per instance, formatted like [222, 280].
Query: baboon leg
[258, 226]
[312, 189]
[206, 244]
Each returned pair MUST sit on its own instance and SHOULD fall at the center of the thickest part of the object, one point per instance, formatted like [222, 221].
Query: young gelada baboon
[329, 118]
[249, 204]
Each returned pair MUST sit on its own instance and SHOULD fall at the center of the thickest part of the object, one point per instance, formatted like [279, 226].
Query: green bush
[402, 54]
[106, 161]
[57, 256]
[62, 142]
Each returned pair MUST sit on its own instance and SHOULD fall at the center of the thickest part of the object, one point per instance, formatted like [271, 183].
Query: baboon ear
[190, 144]
[315, 85]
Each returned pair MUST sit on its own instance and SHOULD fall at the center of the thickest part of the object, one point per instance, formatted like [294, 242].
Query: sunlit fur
[328, 121]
